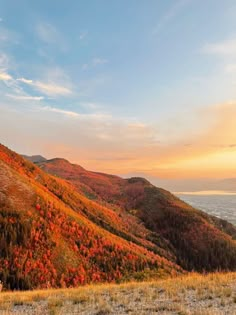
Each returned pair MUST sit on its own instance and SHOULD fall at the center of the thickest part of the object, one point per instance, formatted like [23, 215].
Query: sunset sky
[125, 87]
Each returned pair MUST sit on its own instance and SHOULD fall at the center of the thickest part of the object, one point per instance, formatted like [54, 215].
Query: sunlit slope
[47, 239]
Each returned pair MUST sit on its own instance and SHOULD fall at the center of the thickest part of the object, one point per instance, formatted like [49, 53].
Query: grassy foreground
[210, 294]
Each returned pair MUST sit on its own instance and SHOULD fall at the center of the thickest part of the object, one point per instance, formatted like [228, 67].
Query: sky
[134, 88]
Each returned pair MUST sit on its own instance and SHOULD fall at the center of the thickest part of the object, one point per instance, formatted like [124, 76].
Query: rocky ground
[193, 294]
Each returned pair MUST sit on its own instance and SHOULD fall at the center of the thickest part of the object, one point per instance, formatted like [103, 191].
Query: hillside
[88, 227]
[195, 240]
[47, 243]
[193, 294]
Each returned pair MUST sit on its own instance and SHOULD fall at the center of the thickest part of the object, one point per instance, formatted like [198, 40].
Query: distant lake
[221, 206]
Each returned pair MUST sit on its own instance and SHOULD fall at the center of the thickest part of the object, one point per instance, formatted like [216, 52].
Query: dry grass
[212, 294]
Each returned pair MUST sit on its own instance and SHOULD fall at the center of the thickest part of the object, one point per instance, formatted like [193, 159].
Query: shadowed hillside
[195, 239]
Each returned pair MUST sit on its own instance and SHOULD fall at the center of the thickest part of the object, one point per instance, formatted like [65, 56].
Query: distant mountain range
[228, 184]
[195, 184]
[62, 225]
[34, 158]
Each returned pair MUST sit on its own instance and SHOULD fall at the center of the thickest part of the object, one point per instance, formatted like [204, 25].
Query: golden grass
[184, 295]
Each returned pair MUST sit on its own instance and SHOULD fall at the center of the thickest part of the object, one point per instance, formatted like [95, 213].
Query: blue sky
[131, 81]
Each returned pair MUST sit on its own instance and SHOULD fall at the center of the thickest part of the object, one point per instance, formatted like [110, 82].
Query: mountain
[48, 240]
[34, 158]
[63, 225]
[194, 185]
[192, 237]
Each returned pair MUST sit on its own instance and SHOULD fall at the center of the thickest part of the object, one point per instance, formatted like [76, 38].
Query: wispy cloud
[50, 89]
[100, 139]
[4, 60]
[99, 61]
[170, 14]
[25, 97]
[225, 47]
[26, 81]
[59, 111]
[90, 105]
[85, 117]
[94, 63]
[53, 82]
[4, 76]
[230, 68]
[6, 66]
[50, 35]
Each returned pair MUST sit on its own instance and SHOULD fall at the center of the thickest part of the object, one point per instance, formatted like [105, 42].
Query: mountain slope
[91, 227]
[47, 243]
[196, 240]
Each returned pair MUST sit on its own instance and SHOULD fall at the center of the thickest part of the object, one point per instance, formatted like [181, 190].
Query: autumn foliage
[74, 227]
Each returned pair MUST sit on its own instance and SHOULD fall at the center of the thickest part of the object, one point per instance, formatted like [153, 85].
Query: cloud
[50, 89]
[50, 35]
[4, 60]
[91, 105]
[230, 68]
[8, 79]
[89, 86]
[4, 76]
[170, 14]
[99, 61]
[54, 82]
[25, 97]
[94, 63]
[120, 145]
[4, 70]
[87, 136]
[225, 47]
[85, 117]
[59, 111]
[26, 81]
[212, 152]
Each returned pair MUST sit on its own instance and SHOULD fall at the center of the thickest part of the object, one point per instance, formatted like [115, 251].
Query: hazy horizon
[194, 186]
